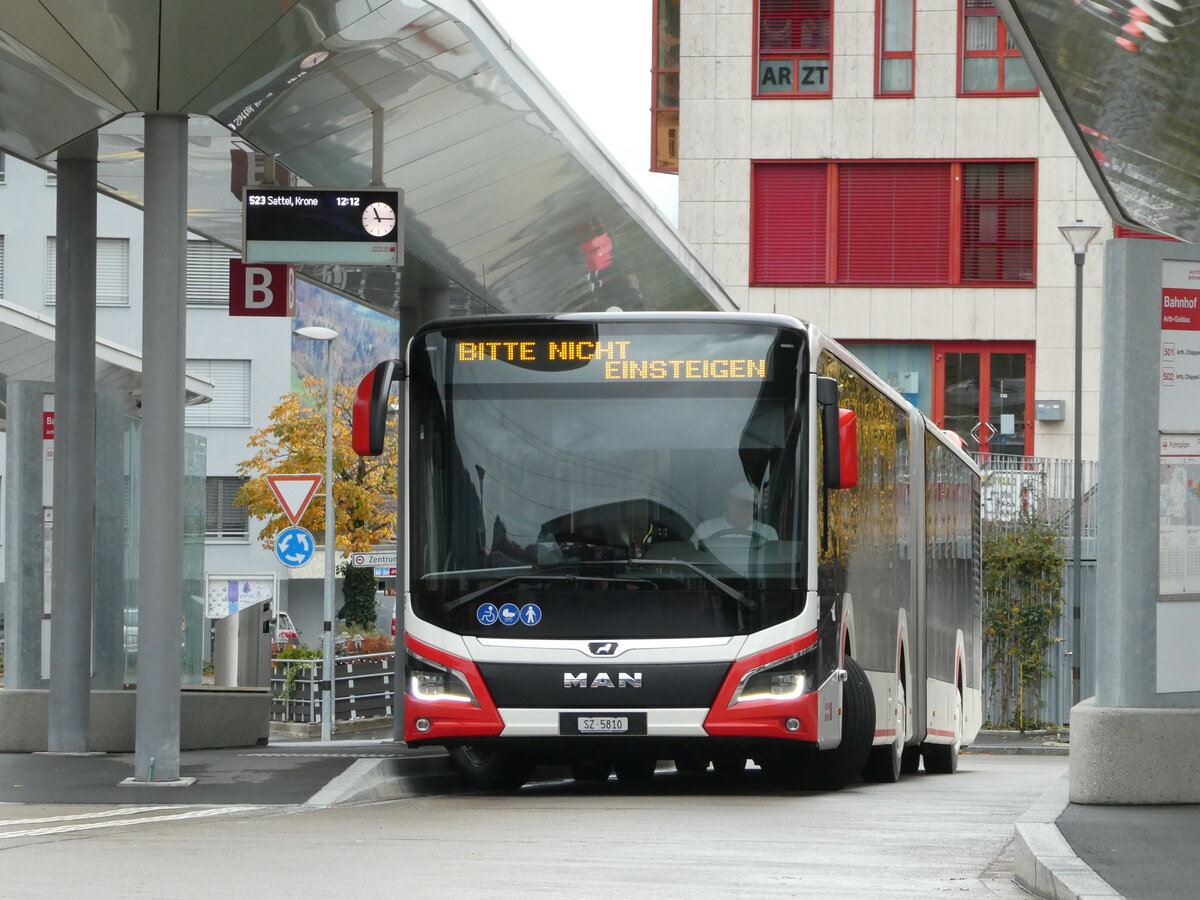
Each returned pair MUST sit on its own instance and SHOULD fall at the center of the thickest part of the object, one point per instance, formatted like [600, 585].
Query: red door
[983, 391]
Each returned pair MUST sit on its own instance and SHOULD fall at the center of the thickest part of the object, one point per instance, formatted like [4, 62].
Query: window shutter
[790, 227]
[794, 26]
[208, 272]
[112, 271]
[998, 226]
[1121, 231]
[231, 392]
[222, 517]
[893, 223]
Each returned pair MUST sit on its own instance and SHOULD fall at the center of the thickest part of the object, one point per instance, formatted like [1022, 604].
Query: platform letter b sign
[261, 290]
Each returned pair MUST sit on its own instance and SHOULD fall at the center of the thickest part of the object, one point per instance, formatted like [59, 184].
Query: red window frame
[884, 55]
[664, 87]
[1002, 52]
[893, 223]
[985, 349]
[793, 49]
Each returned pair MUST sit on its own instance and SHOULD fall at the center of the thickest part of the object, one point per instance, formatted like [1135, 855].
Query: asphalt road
[685, 836]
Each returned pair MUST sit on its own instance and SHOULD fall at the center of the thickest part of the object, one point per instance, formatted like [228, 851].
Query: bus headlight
[784, 679]
[428, 680]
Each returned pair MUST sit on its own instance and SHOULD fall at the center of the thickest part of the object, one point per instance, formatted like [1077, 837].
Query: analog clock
[379, 219]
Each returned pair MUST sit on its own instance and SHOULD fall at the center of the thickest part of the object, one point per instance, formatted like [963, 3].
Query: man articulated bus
[702, 537]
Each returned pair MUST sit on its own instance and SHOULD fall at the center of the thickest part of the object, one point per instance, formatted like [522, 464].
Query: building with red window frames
[888, 170]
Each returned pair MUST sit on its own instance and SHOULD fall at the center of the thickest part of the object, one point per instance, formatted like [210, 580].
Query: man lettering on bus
[730, 536]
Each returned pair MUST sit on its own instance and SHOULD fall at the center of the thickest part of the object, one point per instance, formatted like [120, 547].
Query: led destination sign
[614, 360]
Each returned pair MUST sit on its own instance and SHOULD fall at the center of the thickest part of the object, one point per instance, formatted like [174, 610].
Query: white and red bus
[699, 537]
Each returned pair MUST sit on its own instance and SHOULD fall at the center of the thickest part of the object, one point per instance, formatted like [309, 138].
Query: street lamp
[1078, 235]
[319, 333]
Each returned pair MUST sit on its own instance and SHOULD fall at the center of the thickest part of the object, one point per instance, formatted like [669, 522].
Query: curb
[1045, 862]
[389, 778]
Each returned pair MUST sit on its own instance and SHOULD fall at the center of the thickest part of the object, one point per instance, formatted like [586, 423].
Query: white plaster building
[248, 360]
[888, 170]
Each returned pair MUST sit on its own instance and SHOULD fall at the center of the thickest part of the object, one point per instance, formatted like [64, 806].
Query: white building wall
[723, 130]
[27, 218]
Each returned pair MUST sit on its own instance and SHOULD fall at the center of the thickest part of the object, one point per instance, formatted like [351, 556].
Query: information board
[358, 226]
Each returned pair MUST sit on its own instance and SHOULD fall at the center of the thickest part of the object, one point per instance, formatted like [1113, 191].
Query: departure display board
[358, 226]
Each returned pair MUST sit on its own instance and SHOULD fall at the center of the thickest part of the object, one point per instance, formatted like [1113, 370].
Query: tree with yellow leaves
[364, 487]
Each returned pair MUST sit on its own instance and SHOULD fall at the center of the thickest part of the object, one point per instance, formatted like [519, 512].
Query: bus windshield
[634, 478]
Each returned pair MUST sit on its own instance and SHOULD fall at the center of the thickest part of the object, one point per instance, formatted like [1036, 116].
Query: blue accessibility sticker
[531, 614]
[509, 614]
[487, 614]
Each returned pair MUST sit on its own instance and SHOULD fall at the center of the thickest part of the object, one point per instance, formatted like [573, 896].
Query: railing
[1014, 489]
[362, 688]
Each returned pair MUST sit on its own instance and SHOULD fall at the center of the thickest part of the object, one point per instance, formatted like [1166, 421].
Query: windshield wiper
[716, 582]
[546, 574]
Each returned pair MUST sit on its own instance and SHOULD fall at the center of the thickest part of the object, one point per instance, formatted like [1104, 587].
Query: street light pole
[326, 335]
[1078, 235]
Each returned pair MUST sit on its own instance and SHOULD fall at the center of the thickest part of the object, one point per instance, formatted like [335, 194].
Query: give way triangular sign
[294, 493]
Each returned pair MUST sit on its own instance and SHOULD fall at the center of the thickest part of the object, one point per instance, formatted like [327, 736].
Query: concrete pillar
[160, 562]
[74, 448]
[1132, 744]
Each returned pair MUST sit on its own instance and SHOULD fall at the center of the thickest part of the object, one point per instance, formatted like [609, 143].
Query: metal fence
[1015, 490]
[362, 688]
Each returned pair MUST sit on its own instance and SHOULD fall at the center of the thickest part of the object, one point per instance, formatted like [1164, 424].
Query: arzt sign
[261, 289]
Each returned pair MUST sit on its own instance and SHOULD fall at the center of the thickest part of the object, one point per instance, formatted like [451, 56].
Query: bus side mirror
[371, 405]
[839, 428]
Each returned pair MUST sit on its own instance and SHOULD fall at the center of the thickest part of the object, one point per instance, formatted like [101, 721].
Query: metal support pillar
[74, 449]
[160, 567]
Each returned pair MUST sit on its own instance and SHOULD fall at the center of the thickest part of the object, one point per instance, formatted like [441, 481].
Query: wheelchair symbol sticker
[487, 614]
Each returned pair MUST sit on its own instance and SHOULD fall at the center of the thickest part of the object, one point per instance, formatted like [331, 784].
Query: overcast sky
[597, 56]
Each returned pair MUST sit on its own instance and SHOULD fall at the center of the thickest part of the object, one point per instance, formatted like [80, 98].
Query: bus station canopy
[507, 195]
[1121, 77]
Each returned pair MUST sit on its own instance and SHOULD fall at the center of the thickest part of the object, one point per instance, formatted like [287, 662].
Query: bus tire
[942, 759]
[833, 769]
[885, 763]
[489, 769]
[635, 770]
[591, 769]
[729, 767]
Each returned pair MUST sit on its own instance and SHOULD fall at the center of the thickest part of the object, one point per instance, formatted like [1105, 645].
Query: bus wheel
[728, 767]
[691, 765]
[884, 764]
[488, 769]
[942, 759]
[591, 769]
[635, 770]
[833, 769]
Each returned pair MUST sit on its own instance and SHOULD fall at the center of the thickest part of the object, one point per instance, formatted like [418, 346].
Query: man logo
[602, 680]
[603, 648]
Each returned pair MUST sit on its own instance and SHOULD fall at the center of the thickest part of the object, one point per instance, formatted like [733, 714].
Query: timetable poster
[1179, 362]
[1178, 607]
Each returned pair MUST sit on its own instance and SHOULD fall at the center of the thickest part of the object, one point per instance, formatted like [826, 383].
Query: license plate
[602, 723]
